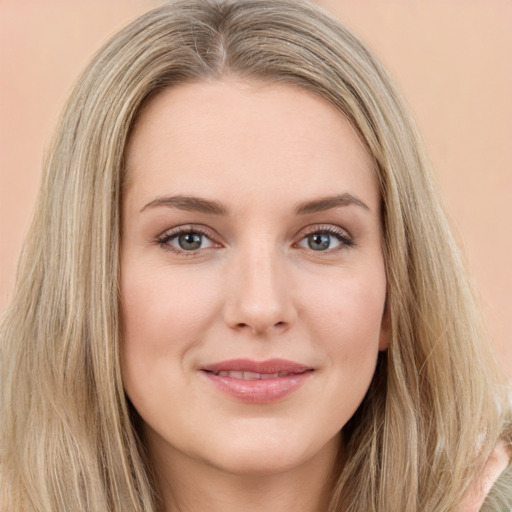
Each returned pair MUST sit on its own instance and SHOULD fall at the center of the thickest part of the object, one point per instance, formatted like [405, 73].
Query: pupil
[319, 241]
[190, 241]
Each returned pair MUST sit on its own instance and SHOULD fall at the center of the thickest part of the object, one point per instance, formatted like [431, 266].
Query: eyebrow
[328, 203]
[188, 203]
[197, 204]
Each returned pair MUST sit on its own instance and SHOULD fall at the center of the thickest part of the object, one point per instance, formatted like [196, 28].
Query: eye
[185, 240]
[326, 239]
[190, 241]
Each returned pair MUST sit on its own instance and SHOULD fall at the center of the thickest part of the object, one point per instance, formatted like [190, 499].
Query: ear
[385, 329]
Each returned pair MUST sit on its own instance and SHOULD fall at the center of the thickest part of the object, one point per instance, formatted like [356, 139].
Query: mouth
[252, 375]
[257, 381]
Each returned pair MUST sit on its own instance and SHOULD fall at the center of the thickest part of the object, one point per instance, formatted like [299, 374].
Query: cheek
[350, 307]
[346, 324]
[164, 316]
[158, 300]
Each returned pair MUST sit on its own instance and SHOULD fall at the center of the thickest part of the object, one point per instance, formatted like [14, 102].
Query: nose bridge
[258, 295]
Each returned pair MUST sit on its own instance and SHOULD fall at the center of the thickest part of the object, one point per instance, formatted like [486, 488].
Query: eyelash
[164, 239]
[346, 241]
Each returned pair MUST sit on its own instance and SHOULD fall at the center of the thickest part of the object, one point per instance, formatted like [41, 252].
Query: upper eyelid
[345, 238]
[204, 230]
[186, 228]
[312, 228]
[329, 228]
[163, 240]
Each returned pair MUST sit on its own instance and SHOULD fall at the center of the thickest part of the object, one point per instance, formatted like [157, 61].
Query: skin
[254, 289]
[496, 464]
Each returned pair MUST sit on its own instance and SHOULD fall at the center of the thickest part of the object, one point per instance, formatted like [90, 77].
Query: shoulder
[497, 467]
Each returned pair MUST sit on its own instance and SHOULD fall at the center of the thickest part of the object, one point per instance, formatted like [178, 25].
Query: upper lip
[248, 365]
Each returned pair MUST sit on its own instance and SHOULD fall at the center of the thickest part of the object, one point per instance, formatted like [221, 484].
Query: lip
[279, 378]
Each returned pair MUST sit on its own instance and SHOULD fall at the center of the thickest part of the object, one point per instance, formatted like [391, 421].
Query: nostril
[243, 325]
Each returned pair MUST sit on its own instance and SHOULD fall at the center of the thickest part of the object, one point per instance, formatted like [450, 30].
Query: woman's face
[252, 275]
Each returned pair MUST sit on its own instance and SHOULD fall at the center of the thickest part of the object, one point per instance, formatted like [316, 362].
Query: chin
[270, 454]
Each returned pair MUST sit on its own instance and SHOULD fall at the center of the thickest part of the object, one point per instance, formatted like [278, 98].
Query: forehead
[202, 138]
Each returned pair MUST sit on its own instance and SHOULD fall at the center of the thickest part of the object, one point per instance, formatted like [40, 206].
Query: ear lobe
[385, 330]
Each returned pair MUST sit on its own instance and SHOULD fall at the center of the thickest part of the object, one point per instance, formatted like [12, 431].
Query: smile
[257, 382]
[252, 375]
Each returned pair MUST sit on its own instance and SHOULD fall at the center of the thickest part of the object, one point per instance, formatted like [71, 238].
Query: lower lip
[259, 391]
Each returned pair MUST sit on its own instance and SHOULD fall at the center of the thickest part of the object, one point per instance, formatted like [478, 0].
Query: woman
[240, 291]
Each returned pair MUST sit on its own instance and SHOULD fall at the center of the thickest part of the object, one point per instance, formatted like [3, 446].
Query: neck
[188, 485]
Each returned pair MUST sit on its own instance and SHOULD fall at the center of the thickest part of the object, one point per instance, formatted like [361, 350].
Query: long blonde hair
[70, 439]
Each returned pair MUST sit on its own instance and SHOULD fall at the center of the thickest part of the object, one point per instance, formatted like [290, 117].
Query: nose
[259, 294]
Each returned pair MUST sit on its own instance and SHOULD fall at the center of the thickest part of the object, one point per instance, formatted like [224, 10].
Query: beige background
[452, 59]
